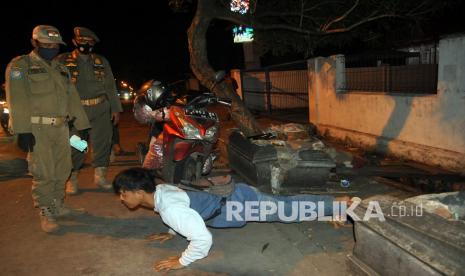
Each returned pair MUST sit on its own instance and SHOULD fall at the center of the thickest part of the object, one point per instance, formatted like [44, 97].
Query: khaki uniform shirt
[91, 85]
[36, 88]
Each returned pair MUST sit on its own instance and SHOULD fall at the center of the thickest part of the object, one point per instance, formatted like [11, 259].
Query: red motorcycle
[189, 140]
[189, 136]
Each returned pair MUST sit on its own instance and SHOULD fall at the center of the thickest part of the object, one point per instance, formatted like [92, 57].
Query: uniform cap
[84, 32]
[47, 34]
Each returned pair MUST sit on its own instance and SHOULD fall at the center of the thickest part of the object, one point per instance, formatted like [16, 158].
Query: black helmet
[152, 90]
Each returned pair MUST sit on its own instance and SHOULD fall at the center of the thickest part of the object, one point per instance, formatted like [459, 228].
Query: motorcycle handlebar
[209, 98]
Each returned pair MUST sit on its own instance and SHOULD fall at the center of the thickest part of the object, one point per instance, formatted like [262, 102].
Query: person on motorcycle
[150, 109]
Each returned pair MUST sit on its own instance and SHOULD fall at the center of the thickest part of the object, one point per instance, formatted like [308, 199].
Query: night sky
[140, 41]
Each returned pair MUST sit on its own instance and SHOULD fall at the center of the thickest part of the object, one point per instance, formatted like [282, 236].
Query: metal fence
[394, 72]
[274, 91]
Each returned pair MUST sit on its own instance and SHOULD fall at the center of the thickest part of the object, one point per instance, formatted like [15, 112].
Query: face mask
[77, 143]
[85, 48]
[48, 53]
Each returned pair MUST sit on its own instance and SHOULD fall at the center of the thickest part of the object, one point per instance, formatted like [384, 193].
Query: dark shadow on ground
[13, 166]
[7, 177]
[93, 190]
[134, 228]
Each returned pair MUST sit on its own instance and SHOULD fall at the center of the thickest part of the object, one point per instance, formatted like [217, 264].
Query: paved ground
[110, 240]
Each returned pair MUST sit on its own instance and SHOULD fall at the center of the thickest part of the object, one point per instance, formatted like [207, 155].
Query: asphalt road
[110, 239]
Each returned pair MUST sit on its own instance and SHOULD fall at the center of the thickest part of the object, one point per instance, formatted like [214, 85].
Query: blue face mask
[48, 53]
[76, 142]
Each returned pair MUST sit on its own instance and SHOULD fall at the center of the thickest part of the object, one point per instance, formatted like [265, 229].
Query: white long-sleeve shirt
[173, 204]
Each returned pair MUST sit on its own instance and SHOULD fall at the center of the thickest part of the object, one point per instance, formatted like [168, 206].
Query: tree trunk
[205, 74]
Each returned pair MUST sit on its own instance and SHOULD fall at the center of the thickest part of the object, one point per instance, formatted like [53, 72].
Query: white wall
[428, 129]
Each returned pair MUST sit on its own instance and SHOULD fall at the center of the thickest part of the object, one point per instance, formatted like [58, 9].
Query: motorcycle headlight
[211, 133]
[189, 130]
[6, 111]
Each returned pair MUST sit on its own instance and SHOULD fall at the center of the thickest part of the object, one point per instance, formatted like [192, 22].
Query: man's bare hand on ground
[161, 237]
[171, 263]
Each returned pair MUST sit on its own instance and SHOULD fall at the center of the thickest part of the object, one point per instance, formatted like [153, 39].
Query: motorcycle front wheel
[141, 151]
[185, 170]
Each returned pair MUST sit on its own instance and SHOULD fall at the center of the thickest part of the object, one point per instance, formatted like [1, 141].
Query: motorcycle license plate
[202, 114]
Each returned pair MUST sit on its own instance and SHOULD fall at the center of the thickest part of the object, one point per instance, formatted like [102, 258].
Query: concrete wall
[429, 129]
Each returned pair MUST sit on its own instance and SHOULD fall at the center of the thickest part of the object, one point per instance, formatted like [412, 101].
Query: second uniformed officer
[96, 86]
[42, 98]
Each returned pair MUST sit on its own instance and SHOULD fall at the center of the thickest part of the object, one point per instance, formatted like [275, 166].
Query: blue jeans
[253, 205]
[294, 208]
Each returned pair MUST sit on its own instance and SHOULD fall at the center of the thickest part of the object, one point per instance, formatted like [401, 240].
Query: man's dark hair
[134, 179]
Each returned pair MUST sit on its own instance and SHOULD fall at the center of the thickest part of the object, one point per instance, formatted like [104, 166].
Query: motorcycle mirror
[224, 103]
[219, 75]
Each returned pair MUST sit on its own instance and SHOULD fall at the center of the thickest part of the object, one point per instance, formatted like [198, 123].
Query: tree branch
[301, 13]
[206, 12]
[279, 14]
[288, 14]
[342, 17]
[355, 25]
[314, 7]
[254, 22]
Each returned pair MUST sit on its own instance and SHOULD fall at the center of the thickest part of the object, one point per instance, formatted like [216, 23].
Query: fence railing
[390, 73]
[418, 79]
[271, 91]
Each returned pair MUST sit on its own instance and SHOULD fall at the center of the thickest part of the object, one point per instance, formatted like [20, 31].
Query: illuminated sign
[242, 34]
[240, 6]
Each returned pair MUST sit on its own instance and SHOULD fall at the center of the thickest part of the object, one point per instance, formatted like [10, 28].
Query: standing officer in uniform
[42, 99]
[96, 86]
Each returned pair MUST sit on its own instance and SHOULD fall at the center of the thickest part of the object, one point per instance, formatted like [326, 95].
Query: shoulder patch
[16, 74]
